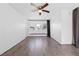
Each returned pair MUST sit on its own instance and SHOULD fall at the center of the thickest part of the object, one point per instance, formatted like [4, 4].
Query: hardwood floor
[41, 46]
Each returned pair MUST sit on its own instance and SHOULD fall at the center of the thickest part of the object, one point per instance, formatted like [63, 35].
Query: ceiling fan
[41, 8]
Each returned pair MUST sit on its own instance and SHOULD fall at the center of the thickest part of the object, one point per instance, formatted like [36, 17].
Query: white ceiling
[26, 9]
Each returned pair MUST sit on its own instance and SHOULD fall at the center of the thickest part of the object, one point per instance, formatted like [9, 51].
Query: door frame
[48, 28]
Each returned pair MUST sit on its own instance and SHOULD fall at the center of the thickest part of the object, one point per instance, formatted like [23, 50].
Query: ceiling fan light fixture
[39, 11]
[40, 8]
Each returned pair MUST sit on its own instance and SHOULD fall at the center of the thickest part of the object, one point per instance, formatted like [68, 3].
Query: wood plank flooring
[41, 46]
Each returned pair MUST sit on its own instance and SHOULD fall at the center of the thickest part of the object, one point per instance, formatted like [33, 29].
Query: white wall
[66, 26]
[56, 25]
[66, 16]
[61, 24]
[12, 27]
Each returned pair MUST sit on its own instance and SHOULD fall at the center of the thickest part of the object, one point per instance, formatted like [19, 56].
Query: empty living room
[39, 29]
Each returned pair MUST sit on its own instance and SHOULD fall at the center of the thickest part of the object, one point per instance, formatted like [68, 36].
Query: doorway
[76, 27]
[48, 28]
[39, 28]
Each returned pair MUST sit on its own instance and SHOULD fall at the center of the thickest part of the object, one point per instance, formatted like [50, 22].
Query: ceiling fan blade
[46, 11]
[34, 5]
[45, 5]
